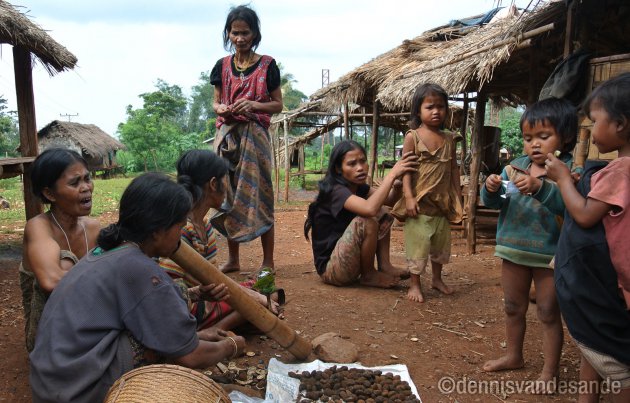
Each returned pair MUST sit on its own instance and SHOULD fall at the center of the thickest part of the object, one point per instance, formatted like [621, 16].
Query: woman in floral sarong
[246, 94]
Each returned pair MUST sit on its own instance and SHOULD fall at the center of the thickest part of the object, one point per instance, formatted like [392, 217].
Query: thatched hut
[29, 42]
[97, 147]
[506, 60]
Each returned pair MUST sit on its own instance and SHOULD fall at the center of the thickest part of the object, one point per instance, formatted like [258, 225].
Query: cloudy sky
[124, 46]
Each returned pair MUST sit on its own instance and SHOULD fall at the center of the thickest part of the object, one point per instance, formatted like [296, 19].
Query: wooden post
[475, 167]
[533, 74]
[287, 160]
[346, 122]
[275, 146]
[302, 165]
[463, 129]
[373, 148]
[568, 32]
[23, 71]
[321, 157]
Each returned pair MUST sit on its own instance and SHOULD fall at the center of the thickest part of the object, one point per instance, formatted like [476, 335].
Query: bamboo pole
[207, 273]
[287, 160]
[475, 167]
[276, 160]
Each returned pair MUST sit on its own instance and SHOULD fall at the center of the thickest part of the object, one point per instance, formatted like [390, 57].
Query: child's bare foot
[230, 267]
[394, 271]
[415, 293]
[441, 287]
[378, 279]
[503, 363]
[545, 385]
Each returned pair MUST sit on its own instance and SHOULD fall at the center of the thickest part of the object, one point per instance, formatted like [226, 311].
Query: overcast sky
[124, 46]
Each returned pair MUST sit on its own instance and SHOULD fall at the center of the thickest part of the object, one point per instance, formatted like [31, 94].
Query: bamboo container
[206, 272]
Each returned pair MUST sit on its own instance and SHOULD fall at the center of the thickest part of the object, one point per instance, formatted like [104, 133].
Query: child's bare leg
[382, 257]
[515, 280]
[549, 316]
[436, 280]
[267, 241]
[588, 376]
[369, 276]
[415, 290]
[233, 263]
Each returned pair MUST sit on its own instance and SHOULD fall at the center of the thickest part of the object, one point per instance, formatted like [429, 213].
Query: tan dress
[34, 299]
[433, 185]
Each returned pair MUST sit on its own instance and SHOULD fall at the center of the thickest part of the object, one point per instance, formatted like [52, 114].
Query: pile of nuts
[352, 385]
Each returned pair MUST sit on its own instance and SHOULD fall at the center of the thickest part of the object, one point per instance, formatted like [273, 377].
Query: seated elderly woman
[117, 309]
[54, 241]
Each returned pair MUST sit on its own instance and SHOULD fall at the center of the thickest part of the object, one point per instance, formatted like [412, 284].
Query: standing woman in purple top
[246, 94]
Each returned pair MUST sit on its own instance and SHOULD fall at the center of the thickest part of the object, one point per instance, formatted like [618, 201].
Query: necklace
[242, 69]
[66, 236]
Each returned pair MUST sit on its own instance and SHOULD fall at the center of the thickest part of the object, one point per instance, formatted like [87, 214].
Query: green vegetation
[9, 135]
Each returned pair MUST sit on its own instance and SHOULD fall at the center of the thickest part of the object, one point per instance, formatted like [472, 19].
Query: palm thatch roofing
[16, 29]
[92, 140]
[496, 57]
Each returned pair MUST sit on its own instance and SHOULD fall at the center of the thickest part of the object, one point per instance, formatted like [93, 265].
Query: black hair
[195, 168]
[48, 168]
[151, 202]
[247, 15]
[333, 176]
[557, 112]
[419, 95]
[614, 97]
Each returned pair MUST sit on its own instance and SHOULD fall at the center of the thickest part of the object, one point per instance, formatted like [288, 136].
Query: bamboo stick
[374, 147]
[205, 272]
[287, 160]
[475, 167]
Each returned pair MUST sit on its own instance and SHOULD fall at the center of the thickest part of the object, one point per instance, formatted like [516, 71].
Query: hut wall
[94, 163]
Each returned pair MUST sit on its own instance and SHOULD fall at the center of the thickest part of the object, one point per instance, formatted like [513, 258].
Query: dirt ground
[455, 334]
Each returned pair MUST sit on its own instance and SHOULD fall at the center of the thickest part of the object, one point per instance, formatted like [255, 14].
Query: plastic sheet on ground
[281, 388]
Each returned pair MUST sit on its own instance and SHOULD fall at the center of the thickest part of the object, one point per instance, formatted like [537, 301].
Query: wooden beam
[346, 121]
[475, 167]
[374, 147]
[568, 31]
[532, 93]
[23, 71]
[463, 129]
[287, 160]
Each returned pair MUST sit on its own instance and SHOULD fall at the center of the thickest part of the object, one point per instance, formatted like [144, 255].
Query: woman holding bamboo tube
[117, 309]
[204, 175]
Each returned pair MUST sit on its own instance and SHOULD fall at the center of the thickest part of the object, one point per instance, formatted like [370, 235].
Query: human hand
[243, 106]
[527, 184]
[411, 206]
[214, 292]
[213, 334]
[493, 183]
[407, 164]
[556, 169]
[223, 110]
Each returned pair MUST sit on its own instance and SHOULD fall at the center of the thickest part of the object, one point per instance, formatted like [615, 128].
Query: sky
[123, 47]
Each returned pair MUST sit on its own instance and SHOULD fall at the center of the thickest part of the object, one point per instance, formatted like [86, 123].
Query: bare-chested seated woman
[54, 241]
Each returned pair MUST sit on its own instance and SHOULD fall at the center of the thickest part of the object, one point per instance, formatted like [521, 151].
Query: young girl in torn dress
[432, 195]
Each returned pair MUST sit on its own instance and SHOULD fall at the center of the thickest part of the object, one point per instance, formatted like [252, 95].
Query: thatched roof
[16, 29]
[92, 140]
[392, 73]
[464, 60]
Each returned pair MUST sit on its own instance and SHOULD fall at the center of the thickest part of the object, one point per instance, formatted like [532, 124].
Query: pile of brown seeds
[340, 384]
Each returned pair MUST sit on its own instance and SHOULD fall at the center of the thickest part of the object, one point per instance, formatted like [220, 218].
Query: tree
[9, 133]
[155, 132]
[201, 112]
[511, 138]
[291, 97]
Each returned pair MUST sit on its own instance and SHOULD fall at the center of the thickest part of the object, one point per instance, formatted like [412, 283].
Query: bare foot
[230, 267]
[441, 287]
[415, 294]
[503, 363]
[378, 279]
[394, 271]
[545, 385]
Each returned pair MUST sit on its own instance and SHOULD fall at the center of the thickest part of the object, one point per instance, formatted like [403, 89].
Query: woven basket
[165, 384]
